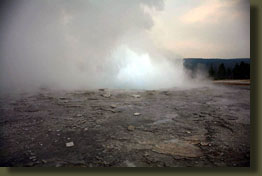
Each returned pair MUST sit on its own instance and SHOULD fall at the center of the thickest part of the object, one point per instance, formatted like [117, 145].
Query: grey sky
[204, 28]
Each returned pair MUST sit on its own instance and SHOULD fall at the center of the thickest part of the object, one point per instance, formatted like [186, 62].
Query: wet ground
[199, 127]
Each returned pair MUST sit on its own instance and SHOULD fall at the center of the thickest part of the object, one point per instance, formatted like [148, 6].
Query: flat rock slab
[178, 148]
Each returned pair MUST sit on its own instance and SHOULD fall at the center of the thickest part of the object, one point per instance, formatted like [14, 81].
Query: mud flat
[200, 127]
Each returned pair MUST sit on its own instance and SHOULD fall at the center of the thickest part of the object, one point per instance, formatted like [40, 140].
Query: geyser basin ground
[208, 126]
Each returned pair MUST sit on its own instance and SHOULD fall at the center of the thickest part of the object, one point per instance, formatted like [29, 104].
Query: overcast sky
[204, 28]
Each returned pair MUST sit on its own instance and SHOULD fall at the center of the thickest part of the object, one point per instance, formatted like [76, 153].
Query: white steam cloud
[84, 44]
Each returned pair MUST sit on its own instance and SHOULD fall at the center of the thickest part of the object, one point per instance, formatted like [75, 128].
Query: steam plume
[83, 44]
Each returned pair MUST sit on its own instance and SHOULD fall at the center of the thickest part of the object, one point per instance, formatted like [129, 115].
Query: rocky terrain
[198, 127]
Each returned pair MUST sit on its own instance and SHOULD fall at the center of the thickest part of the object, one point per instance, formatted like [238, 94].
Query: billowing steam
[84, 44]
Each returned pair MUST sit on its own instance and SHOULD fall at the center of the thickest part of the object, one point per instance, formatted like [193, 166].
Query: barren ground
[201, 127]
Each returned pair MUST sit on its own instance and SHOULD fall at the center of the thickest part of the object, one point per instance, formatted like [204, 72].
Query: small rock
[32, 157]
[97, 121]
[86, 129]
[30, 164]
[31, 153]
[129, 164]
[79, 115]
[166, 92]
[69, 144]
[59, 165]
[68, 138]
[131, 128]
[37, 162]
[113, 111]
[204, 143]
[44, 161]
[137, 114]
[188, 132]
[113, 106]
[146, 154]
[107, 95]
[136, 96]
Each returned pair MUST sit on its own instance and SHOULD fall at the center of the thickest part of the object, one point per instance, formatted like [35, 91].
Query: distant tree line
[239, 71]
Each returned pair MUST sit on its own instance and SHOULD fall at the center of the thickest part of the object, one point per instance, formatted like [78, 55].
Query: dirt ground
[199, 127]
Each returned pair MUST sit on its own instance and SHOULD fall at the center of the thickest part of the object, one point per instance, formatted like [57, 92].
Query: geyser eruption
[83, 44]
[143, 72]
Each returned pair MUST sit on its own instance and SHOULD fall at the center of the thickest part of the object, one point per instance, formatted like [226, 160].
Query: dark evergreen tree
[236, 71]
[211, 71]
[244, 70]
[229, 73]
[221, 73]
